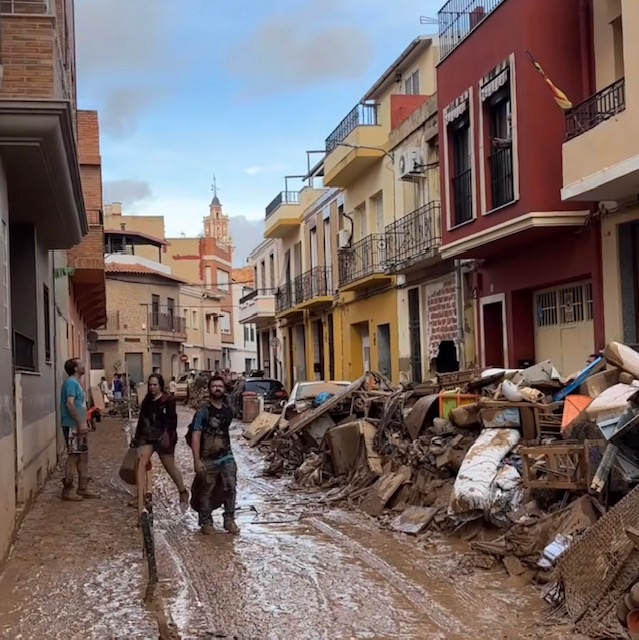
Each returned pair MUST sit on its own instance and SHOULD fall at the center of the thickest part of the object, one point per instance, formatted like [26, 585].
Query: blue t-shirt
[72, 389]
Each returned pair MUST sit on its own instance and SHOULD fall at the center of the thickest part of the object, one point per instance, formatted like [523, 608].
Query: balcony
[315, 289]
[283, 214]
[600, 155]
[414, 240]
[361, 133]
[286, 300]
[88, 279]
[167, 326]
[502, 182]
[37, 122]
[258, 307]
[458, 18]
[363, 265]
[110, 329]
[462, 188]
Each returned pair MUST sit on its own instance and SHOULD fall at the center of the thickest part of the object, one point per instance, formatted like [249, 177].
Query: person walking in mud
[73, 410]
[212, 457]
[157, 432]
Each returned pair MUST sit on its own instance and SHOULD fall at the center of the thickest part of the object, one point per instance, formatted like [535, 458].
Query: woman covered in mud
[157, 432]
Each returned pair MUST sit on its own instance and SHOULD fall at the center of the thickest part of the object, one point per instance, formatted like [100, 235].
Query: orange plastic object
[573, 406]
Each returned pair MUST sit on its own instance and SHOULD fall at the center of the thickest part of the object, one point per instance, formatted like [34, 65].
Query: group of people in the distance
[208, 437]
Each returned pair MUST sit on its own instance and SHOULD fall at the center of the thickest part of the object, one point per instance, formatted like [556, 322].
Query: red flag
[560, 97]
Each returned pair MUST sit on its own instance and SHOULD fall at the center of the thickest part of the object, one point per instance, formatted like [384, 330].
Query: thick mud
[296, 571]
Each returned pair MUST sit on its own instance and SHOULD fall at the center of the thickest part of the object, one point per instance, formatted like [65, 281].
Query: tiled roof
[117, 267]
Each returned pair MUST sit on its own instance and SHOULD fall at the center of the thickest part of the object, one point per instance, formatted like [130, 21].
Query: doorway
[415, 334]
[331, 348]
[366, 347]
[384, 349]
[492, 323]
[134, 368]
[318, 350]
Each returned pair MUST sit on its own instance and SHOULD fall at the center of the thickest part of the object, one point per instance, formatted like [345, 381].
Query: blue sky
[240, 90]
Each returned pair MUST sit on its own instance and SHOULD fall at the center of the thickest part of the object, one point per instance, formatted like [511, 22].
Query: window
[196, 363]
[462, 179]
[155, 310]
[47, 324]
[262, 275]
[378, 208]
[170, 306]
[246, 334]
[216, 325]
[208, 363]
[208, 277]
[411, 84]
[252, 337]
[360, 221]
[97, 361]
[225, 320]
[500, 160]
[271, 271]
[223, 280]
[194, 317]
[208, 325]
[156, 362]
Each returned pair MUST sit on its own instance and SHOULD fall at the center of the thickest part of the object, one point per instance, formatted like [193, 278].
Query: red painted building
[537, 275]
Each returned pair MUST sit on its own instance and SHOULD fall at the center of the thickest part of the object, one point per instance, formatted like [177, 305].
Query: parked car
[304, 393]
[270, 389]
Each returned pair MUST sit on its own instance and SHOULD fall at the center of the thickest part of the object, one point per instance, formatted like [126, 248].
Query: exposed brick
[441, 314]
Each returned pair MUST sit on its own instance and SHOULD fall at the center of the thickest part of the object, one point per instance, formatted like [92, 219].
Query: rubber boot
[85, 493]
[230, 525]
[208, 529]
[68, 494]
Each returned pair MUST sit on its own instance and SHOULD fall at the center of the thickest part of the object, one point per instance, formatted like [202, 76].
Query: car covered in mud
[270, 389]
[306, 395]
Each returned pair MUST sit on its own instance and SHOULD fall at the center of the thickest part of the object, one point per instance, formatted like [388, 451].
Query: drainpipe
[56, 386]
[461, 319]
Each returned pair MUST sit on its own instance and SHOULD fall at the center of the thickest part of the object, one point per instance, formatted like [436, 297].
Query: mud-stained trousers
[224, 471]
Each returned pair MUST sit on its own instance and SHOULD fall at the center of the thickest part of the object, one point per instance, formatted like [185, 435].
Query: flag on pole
[560, 97]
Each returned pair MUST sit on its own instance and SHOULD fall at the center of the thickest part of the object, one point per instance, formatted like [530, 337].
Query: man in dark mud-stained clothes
[212, 456]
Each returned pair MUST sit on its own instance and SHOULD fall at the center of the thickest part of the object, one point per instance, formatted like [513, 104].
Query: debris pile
[523, 462]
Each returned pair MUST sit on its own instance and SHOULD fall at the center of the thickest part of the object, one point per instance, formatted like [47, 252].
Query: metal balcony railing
[285, 298]
[604, 105]
[28, 7]
[463, 197]
[314, 283]
[249, 296]
[363, 259]
[166, 322]
[502, 183]
[363, 115]
[23, 352]
[414, 237]
[284, 197]
[112, 323]
[457, 18]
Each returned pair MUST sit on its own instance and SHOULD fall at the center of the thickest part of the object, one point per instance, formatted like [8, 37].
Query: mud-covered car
[305, 394]
[270, 389]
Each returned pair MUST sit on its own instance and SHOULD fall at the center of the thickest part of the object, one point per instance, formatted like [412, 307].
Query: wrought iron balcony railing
[284, 197]
[364, 258]
[23, 352]
[415, 237]
[257, 292]
[502, 182]
[457, 18]
[363, 115]
[604, 105]
[166, 322]
[112, 323]
[314, 283]
[463, 197]
[285, 298]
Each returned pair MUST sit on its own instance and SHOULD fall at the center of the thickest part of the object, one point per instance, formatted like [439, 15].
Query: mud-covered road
[296, 571]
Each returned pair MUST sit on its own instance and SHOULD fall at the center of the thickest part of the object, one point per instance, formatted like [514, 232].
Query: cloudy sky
[240, 90]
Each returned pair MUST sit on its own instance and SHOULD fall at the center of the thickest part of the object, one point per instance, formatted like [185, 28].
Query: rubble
[522, 463]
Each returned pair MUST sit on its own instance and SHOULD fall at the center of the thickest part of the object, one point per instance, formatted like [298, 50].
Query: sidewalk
[76, 570]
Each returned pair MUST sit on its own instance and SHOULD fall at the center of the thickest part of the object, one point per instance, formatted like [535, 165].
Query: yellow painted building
[336, 302]
[601, 161]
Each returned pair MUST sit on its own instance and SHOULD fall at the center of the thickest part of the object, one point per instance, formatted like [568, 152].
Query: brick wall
[441, 314]
[28, 57]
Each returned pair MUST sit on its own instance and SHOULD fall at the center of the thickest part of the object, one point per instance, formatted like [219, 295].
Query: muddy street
[297, 570]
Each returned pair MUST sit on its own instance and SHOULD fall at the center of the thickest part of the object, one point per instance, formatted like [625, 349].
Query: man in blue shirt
[212, 456]
[73, 409]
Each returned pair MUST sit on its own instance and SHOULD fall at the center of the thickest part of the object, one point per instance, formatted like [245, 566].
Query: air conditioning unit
[343, 239]
[411, 164]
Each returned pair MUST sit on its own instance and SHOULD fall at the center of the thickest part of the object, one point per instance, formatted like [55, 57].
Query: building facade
[42, 214]
[203, 347]
[536, 278]
[601, 157]
[144, 332]
[358, 162]
[257, 307]
[243, 353]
